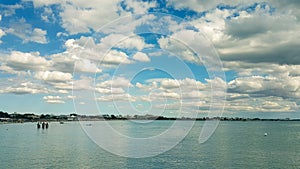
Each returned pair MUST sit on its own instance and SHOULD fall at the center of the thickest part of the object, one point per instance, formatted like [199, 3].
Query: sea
[234, 144]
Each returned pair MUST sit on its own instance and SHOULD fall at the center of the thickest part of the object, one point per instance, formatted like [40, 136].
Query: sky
[172, 58]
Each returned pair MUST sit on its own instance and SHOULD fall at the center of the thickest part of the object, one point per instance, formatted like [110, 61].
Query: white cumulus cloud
[27, 33]
[53, 76]
[141, 57]
[53, 99]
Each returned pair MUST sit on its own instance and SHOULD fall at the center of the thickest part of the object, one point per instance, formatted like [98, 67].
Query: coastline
[30, 117]
[158, 119]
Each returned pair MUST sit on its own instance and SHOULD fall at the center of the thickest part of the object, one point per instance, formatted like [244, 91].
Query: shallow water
[233, 145]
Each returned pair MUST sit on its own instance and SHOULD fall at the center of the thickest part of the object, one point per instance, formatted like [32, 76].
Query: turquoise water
[233, 145]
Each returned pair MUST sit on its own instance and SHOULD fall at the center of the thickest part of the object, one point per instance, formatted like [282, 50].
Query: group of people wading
[44, 125]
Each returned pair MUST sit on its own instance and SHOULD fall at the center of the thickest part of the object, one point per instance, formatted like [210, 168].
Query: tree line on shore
[31, 117]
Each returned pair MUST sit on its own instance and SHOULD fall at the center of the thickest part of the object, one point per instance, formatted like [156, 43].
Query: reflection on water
[234, 144]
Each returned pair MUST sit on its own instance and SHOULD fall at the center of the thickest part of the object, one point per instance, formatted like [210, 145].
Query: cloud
[85, 65]
[291, 6]
[81, 55]
[88, 13]
[139, 7]
[212, 25]
[164, 95]
[117, 98]
[53, 99]
[24, 88]
[48, 15]
[20, 61]
[2, 33]
[63, 62]
[261, 104]
[139, 56]
[170, 83]
[42, 3]
[203, 5]
[84, 83]
[176, 45]
[255, 36]
[191, 4]
[61, 85]
[248, 94]
[115, 82]
[115, 57]
[71, 97]
[86, 50]
[135, 42]
[186, 90]
[63, 91]
[9, 10]
[38, 35]
[248, 25]
[262, 37]
[53, 76]
[122, 41]
[248, 69]
[258, 42]
[263, 80]
[258, 86]
[10, 70]
[186, 84]
[25, 31]
[110, 91]
[195, 94]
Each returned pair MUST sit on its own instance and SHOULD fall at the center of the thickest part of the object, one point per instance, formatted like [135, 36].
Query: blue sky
[172, 58]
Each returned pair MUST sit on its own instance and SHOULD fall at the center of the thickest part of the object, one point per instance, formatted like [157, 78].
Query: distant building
[72, 118]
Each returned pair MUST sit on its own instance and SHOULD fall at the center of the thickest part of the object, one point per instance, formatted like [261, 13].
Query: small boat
[265, 134]
[61, 122]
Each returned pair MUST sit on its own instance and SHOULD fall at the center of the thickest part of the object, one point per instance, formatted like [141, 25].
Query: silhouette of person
[38, 125]
[43, 125]
[47, 125]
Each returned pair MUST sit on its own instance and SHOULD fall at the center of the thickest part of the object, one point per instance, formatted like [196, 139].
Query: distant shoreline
[265, 120]
[159, 119]
[30, 117]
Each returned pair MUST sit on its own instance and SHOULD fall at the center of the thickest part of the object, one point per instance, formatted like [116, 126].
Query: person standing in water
[43, 125]
[38, 125]
[47, 125]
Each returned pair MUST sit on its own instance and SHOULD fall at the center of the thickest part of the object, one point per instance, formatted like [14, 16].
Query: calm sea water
[233, 145]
